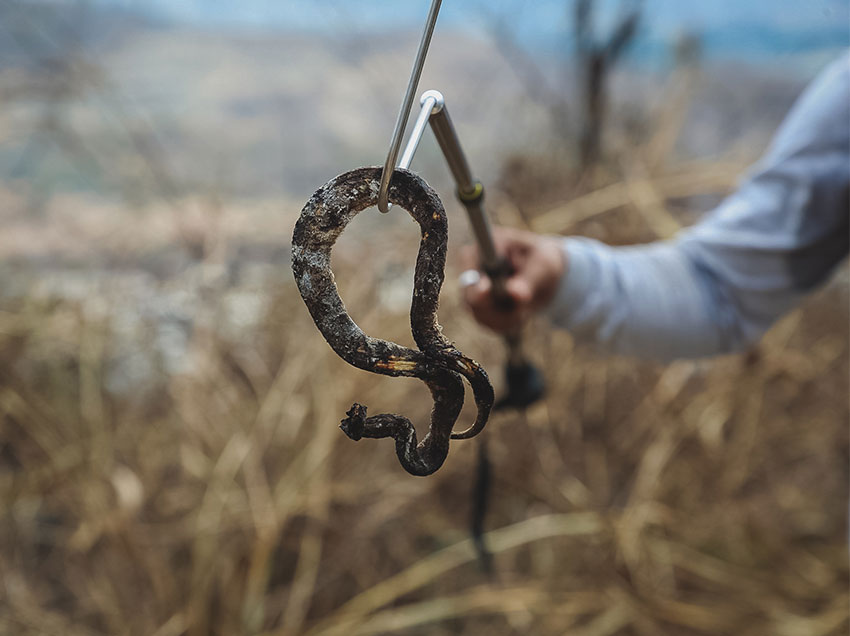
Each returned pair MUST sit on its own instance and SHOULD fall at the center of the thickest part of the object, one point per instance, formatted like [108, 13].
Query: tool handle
[470, 192]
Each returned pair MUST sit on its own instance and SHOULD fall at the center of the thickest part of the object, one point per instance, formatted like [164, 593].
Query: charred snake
[437, 362]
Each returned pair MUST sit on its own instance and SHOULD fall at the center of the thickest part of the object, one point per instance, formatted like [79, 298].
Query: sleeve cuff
[575, 287]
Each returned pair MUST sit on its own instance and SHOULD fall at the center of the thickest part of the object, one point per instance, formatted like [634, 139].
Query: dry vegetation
[217, 496]
[698, 498]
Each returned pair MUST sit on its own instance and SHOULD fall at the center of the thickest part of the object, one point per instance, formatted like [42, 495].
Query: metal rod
[404, 112]
[470, 192]
[446, 136]
[431, 101]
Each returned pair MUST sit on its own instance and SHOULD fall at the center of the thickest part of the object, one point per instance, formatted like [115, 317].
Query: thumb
[478, 293]
[520, 290]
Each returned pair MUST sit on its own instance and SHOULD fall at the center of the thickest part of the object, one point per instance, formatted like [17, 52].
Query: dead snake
[437, 363]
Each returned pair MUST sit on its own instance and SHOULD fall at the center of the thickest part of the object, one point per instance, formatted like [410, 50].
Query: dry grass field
[214, 493]
[170, 461]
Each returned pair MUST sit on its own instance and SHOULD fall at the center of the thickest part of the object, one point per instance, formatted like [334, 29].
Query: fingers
[511, 243]
[537, 264]
[480, 301]
[520, 289]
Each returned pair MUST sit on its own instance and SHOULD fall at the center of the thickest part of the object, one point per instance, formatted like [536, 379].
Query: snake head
[354, 423]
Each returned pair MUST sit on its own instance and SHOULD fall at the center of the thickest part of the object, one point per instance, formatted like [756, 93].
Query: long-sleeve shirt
[718, 286]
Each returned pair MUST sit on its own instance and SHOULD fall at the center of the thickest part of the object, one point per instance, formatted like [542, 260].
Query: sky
[729, 27]
[540, 15]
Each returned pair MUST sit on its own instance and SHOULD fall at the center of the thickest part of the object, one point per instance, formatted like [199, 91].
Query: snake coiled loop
[437, 362]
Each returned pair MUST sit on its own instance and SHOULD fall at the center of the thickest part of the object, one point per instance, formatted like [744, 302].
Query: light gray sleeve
[719, 285]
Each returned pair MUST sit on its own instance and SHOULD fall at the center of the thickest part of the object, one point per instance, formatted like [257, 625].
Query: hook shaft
[406, 104]
[432, 101]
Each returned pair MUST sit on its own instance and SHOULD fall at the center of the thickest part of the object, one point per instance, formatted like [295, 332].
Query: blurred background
[170, 461]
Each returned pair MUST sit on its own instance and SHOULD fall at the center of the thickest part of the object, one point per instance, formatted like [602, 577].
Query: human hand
[537, 264]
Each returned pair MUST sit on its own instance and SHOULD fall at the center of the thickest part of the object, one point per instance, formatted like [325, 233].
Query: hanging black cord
[524, 383]
[480, 501]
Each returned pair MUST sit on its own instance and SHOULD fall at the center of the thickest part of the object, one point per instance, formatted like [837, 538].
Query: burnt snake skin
[437, 362]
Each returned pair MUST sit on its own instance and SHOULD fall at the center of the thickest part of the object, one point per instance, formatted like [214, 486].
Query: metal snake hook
[404, 112]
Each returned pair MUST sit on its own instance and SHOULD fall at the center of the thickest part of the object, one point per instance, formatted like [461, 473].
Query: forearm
[649, 301]
[722, 283]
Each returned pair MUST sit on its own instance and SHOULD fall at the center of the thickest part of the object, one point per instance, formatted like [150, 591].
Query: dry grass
[697, 498]
[702, 497]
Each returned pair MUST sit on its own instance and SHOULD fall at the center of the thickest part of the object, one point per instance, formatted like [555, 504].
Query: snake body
[437, 362]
